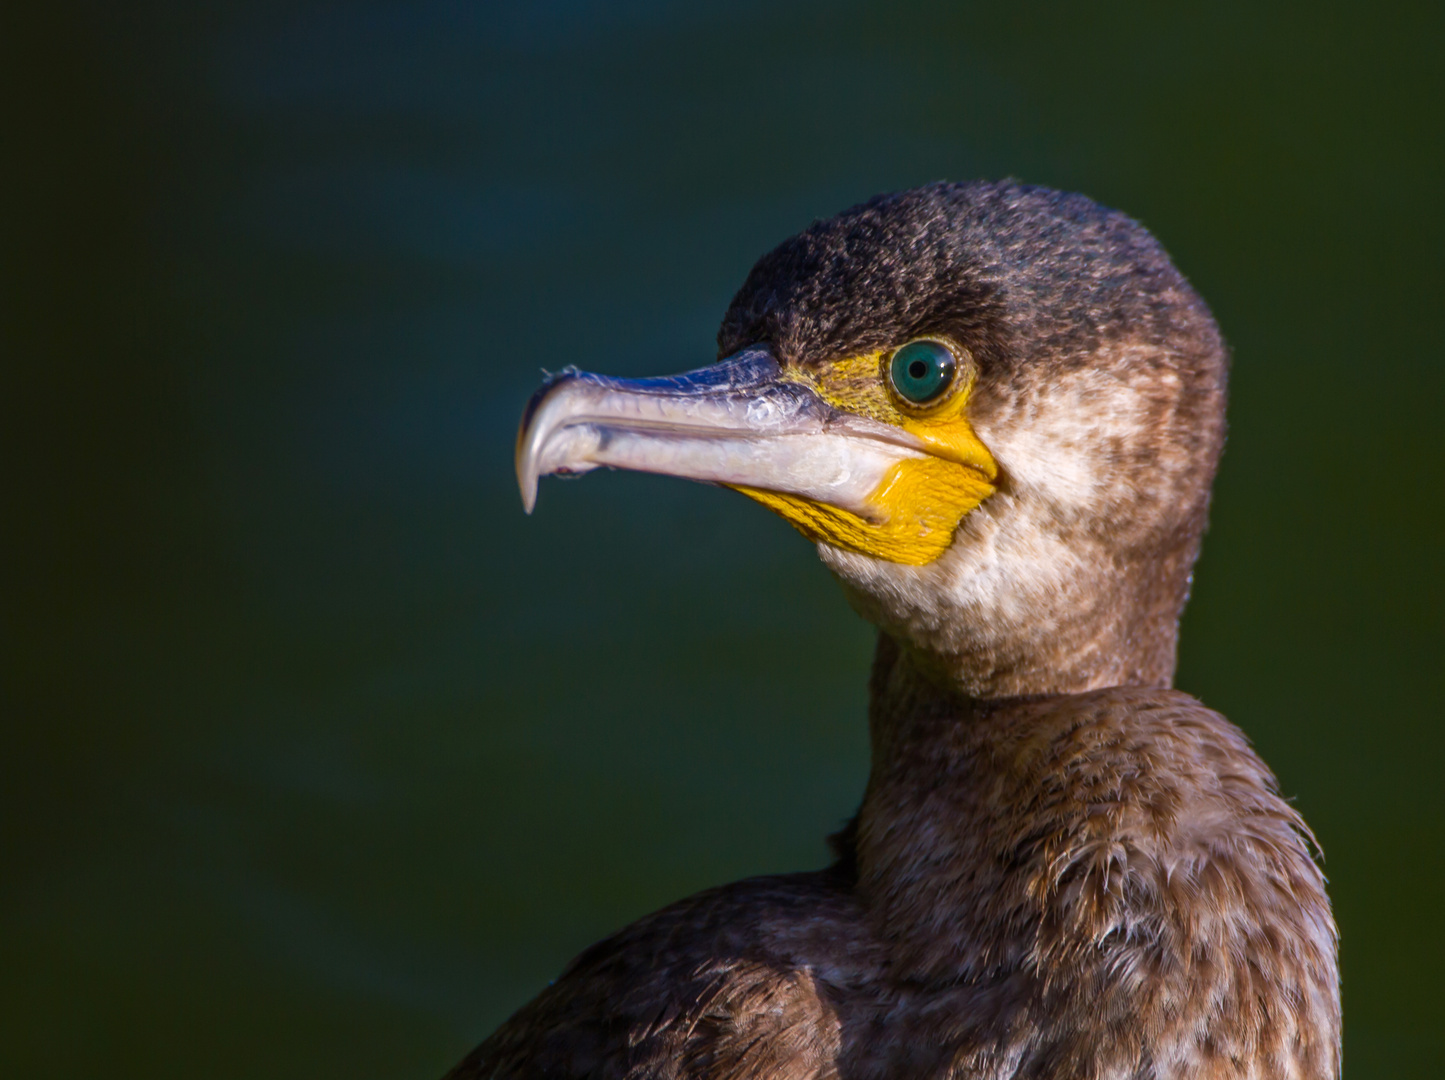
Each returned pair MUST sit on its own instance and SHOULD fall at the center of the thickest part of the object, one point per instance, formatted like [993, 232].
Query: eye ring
[921, 371]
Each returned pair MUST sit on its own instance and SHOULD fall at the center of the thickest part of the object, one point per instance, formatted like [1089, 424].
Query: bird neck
[972, 801]
[969, 809]
[1108, 866]
[921, 846]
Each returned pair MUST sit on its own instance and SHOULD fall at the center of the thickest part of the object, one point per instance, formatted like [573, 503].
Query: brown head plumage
[1100, 395]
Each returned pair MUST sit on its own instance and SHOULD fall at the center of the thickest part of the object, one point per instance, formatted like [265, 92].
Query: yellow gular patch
[921, 501]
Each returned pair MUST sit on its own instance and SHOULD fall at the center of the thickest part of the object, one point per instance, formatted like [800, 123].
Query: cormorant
[997, 410]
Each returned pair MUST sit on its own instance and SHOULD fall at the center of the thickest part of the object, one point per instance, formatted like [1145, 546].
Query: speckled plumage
[1061, 868]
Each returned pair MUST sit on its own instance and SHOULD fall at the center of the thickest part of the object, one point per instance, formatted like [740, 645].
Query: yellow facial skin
[921, 501]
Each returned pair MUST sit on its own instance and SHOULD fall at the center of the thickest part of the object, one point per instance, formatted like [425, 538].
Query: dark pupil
[922, 370]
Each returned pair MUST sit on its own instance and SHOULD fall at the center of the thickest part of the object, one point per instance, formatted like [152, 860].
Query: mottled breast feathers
[1104, 884]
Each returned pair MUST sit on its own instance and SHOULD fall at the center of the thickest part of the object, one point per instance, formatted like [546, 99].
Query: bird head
[996, 410]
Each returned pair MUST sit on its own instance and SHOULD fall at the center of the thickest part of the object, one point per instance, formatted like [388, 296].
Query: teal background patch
[320, 758]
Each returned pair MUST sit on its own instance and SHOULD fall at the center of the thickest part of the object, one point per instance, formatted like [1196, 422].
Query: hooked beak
[736, 423]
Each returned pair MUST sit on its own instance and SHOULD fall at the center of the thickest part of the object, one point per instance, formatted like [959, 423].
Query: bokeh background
[319, 757]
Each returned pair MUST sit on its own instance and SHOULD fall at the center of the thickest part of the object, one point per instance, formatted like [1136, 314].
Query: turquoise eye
[922, 370]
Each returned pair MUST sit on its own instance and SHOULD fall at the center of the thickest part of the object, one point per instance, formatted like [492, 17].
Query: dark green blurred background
[319, 757]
